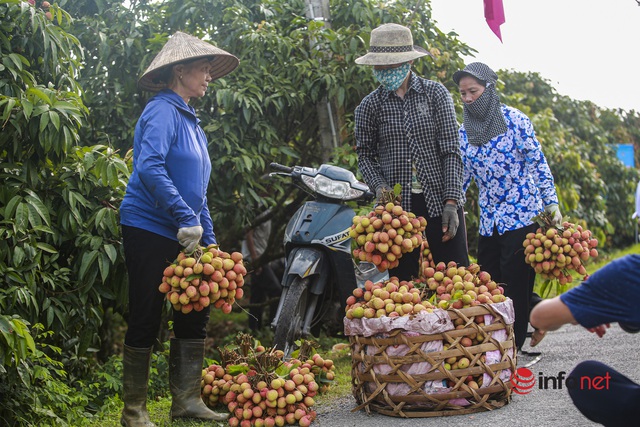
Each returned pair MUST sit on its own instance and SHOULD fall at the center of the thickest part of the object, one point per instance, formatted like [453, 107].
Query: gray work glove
[554, 213]
[380, 189]
[450, 221]
[189, 237]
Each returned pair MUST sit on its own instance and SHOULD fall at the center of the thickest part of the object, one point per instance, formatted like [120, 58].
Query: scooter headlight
[324, 186]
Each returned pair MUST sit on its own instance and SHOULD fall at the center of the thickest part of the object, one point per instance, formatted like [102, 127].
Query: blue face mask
[392, 78]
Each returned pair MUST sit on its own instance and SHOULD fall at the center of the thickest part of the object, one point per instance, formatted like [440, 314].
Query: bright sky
[586, 49]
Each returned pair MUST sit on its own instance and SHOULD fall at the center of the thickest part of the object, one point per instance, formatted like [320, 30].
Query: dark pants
[264, 286]
[604, 395]
[454, 250]
[147, 255]
[502, 256]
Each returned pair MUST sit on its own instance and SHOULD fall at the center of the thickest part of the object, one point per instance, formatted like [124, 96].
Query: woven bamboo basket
[378, 391]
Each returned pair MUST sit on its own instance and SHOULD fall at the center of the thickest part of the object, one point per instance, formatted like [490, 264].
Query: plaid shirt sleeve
[366, 134]
[449, 145]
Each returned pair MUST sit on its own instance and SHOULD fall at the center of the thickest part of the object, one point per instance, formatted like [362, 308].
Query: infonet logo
[522, 381]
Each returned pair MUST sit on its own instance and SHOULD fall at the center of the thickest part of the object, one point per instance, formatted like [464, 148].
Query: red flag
[494, 14]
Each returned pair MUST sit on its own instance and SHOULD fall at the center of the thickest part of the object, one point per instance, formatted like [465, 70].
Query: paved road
[561, 351]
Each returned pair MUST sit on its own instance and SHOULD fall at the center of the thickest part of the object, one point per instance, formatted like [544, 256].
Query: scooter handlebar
[280, 168]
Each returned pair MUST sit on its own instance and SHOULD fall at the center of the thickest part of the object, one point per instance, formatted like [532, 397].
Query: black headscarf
[483, 118]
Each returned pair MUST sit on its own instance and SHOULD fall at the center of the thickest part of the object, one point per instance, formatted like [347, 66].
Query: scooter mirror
[368, 271]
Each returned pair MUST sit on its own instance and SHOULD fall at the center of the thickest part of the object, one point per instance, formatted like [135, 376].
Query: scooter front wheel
[294, 307]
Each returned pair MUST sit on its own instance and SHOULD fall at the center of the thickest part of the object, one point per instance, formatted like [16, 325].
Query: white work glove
[189, 237]
[554, 213]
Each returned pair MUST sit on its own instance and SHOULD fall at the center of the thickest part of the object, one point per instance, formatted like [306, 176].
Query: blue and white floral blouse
[512, 174]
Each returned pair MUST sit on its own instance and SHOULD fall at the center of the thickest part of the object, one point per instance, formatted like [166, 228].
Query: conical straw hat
[181, 47]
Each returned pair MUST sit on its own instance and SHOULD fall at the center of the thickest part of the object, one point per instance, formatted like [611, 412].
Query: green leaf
[44, 121]
[39, 94]
[247, 162]
[104, 264]
[545, 288]
[55, 119]
[27, 108]
[283, 370]
[46, 247]
[111, 252]
[237, 369]
[43, 229]
[22, 217]
[5, 325]
[17, 60]
[16, 277]
[341, 96]
[39, 207]
[100, 218]
[289, 152]
[30, 342]
[10, 103]
[10, 209]
[112, 222]
[34, 218]
[88, 259]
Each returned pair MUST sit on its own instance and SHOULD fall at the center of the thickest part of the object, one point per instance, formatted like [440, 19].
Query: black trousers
[454, 250]
[603, 394]
[502, 256]
[147, 255]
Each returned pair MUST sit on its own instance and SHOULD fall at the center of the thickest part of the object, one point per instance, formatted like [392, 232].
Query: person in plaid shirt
[407, 133]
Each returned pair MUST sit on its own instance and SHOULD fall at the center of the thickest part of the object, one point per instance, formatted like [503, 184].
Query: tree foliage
[579, 141]
[69, 104]
[265, 110]
[59, 252]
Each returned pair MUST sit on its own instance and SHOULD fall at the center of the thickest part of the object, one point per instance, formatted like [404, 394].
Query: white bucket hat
[391, 44]
[183, 47]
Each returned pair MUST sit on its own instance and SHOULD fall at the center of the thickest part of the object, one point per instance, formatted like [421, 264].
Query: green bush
[34, 388]
[105, 382]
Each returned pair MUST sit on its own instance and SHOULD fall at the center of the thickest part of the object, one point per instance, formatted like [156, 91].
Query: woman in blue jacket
[165, 210]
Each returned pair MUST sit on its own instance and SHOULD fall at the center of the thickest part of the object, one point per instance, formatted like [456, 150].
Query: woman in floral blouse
[501, 153]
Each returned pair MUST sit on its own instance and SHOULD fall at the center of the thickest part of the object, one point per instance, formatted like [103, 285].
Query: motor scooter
[320, 272]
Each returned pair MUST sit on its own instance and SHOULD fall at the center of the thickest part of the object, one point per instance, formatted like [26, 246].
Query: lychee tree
[59, 252]
[266, 109]
[578, 139]
[60, 257]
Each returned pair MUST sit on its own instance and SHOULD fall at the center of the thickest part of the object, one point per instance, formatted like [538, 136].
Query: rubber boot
[185, 377]
[135, 381]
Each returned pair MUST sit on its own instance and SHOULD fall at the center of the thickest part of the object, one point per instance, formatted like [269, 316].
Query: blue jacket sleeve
[158, 134]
